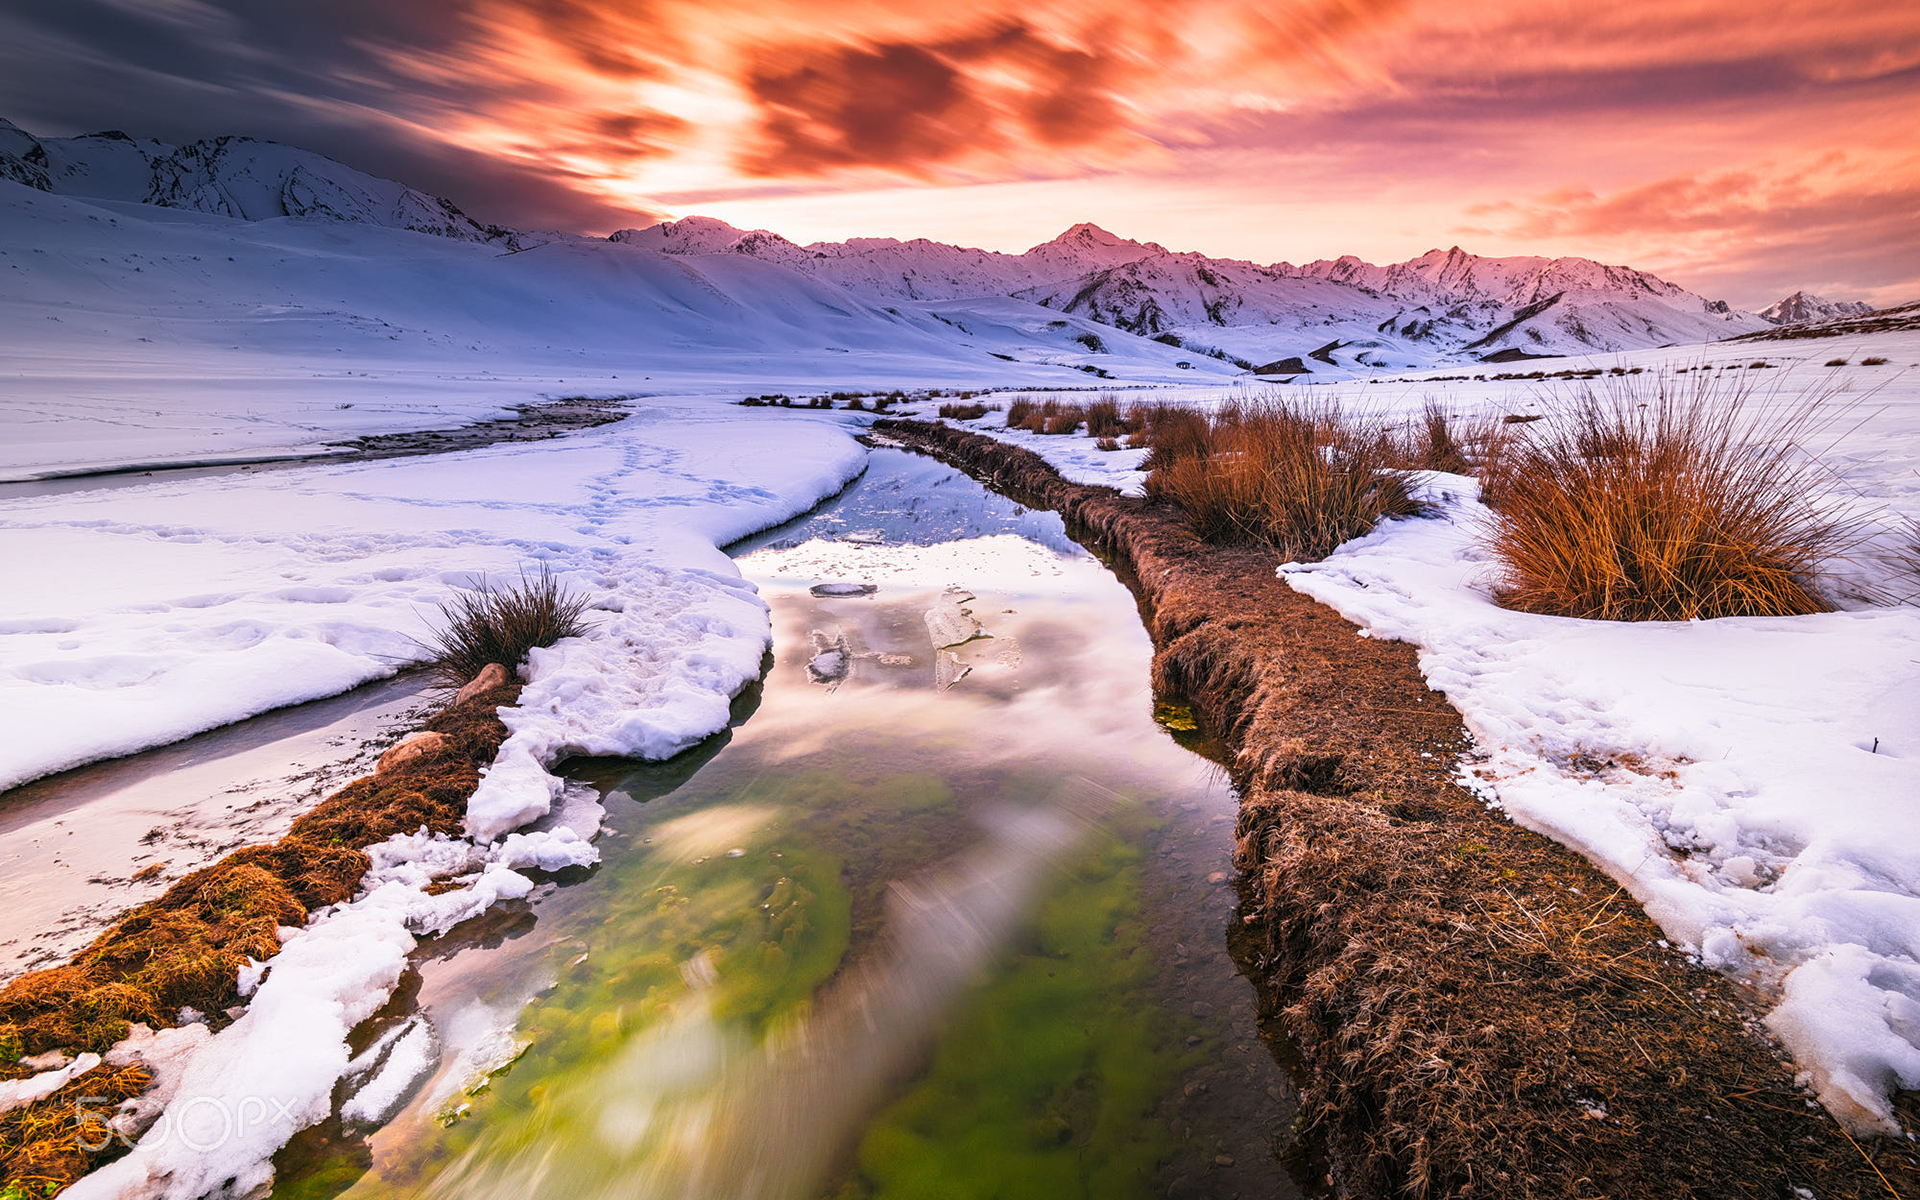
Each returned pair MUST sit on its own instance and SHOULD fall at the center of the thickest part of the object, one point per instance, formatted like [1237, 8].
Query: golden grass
[497, 623]
[1298, 476]
[1656, 499]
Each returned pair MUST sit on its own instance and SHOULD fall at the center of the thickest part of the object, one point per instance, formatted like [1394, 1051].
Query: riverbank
[1479, 1010]
[186, 958]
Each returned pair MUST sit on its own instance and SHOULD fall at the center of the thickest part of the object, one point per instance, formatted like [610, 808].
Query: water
[943, 914]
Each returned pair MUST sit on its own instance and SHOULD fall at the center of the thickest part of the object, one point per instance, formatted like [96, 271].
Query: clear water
[907, 931]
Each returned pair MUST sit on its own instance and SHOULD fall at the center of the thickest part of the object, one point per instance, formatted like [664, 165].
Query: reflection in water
[694, 1108]
[895, 939]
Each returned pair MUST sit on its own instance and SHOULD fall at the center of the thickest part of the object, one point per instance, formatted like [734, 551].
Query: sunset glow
[1744, 154]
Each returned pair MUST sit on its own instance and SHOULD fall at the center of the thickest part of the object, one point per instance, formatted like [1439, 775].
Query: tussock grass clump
[1659, 501]
[966, 412]
[500, 623]
[1299, 477]
[1104, 419]
[1873, 360]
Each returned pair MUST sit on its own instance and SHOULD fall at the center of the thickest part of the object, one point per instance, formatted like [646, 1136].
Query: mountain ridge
[1439, 307]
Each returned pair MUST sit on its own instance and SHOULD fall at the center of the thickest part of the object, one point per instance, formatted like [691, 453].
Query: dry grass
[1296, 476]
[1654, 500]
[185, 949]
[965, 411]
[501, 623]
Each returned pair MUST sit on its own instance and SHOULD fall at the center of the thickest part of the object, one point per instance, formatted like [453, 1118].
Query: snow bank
[1750, 781]
[146, 614]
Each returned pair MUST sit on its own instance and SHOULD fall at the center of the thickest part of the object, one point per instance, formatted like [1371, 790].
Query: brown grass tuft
[964, 411]
[496, 623]
[1654, 500]
[1104, 419]
[1298, 477]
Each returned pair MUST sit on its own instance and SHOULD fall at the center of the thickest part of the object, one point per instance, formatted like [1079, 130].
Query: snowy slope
[229, 176]
[1445, 306]
[1802, 308]
[160, 333]
[890, 269]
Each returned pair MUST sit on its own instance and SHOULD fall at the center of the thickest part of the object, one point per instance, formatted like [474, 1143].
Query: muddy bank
[1478, 1010]
[533, 423]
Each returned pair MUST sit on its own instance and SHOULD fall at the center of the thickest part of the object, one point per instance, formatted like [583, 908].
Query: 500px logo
[201, 1123]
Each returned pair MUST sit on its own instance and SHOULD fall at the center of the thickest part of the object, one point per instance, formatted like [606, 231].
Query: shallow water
[938, 920]
[79, 848]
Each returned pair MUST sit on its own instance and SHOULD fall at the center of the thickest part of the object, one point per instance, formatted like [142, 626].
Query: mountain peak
[1803, 307]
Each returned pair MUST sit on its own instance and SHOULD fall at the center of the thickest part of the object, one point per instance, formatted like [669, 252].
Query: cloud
[1650, 128]
[966, 101]
[1832, 221]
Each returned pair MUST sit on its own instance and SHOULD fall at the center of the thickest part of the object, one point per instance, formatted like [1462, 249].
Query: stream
[943, 913]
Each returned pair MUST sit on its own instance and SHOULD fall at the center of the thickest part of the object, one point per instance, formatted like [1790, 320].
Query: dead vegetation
[1657, 500]
[1301, 477]
[178, 957]
[501, 623]
[1479, 1011]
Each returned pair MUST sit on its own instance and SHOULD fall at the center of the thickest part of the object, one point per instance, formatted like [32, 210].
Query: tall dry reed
[1658, 498]
[1298, 476]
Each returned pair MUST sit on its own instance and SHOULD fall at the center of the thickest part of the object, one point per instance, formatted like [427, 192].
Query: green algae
[716, 925]
[1046, 1084]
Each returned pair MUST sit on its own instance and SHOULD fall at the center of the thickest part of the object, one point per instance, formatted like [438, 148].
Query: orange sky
[1743, 150]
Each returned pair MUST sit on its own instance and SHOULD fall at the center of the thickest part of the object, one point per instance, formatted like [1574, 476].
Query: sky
[1742, 150]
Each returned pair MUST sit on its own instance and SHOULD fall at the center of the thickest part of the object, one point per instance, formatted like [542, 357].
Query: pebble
[1223, 1160]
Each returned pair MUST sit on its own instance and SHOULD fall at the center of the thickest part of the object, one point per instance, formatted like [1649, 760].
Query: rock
[829, 667]
[491, 676]
[418, 745]
[844, 589]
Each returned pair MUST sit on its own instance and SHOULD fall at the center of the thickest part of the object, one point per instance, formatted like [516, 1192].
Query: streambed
[943, 914]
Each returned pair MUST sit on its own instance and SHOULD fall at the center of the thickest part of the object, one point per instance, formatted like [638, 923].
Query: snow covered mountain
[1344, 313]
[890, 269]
[1801, 308]
[1336, 316]
[232, 177]
[1445, 304]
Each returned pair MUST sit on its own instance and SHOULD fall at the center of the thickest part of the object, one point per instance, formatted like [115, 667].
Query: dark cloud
[536, 112]
[326, 77]
[916, 106]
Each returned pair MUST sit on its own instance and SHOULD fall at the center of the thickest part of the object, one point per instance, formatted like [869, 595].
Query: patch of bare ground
[184, 950]
[1479, 1011]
